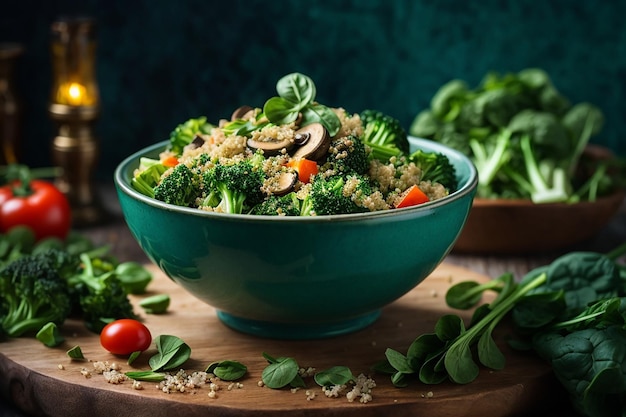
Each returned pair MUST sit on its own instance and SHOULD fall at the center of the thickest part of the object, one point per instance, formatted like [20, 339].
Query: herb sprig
[296, 95]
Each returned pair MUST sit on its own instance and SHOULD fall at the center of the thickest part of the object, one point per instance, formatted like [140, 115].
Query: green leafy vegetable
[525, 138]
[296, 94]
[337, 375]
[185, 132]
[281, 372]
[227, 370]
[572, 312]
[172, 353]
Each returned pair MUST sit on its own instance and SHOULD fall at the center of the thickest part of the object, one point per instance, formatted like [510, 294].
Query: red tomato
[46, 211]
[125, 336]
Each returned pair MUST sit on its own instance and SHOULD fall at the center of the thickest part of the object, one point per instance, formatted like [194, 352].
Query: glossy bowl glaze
[297, 277]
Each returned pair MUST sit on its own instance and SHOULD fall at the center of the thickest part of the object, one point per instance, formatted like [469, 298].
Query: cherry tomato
[125, 336]
[45, 210]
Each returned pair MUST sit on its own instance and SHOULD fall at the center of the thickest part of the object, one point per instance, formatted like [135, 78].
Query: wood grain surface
[31, 374]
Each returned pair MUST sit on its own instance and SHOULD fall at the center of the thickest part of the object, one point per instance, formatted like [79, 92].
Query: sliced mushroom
[240, 112]
[317, 144]
[283, 183]
[270, 147]
[197, 142]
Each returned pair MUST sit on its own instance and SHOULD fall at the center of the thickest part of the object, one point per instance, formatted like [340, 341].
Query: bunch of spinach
[572, 312]
[525, 138]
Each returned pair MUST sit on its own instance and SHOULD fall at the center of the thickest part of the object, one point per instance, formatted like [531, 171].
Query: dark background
[162, 62]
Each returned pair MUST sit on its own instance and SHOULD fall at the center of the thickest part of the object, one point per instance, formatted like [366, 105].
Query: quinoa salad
[294, 158]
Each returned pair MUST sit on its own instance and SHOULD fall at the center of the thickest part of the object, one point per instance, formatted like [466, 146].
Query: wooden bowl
[515, 227]
[510, 227]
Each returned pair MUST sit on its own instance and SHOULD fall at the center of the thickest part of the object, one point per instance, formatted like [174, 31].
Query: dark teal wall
[161, 62]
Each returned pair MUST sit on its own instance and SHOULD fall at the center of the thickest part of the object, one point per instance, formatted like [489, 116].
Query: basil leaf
[227, 370]
[319, 113]
[279, 374]
[280, 111]
[172, 352]
[296, 88]
[337, 375]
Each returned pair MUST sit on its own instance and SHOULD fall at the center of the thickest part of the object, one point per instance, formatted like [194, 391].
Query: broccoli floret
[435, 167]
[238, 185]
[100, 295]
[348, 154]
[179, 187]
[383, 134]
[273, 205]
[33, 292]
[339, 194]
[148, 176]
[185, 132]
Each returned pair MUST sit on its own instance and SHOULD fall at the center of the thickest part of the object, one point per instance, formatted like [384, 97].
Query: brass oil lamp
[75, 107]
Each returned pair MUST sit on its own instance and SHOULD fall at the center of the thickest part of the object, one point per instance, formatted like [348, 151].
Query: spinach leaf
[591, 366]
[585, 277]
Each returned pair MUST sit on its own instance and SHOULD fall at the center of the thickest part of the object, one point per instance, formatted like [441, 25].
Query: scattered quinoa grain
[61, 367]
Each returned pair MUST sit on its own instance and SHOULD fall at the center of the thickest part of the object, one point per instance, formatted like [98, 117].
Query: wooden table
[115, 233]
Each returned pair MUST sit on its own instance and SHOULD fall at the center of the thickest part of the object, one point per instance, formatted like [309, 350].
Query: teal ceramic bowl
[297, 277]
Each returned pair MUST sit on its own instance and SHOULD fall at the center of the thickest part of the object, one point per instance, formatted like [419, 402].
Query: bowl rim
[123, 185]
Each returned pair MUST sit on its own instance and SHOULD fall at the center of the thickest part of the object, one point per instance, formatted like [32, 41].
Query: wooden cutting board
[31, 374]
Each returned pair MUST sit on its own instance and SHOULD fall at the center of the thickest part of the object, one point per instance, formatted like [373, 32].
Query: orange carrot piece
[304, 167]
[412, 197]
[170, 161]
